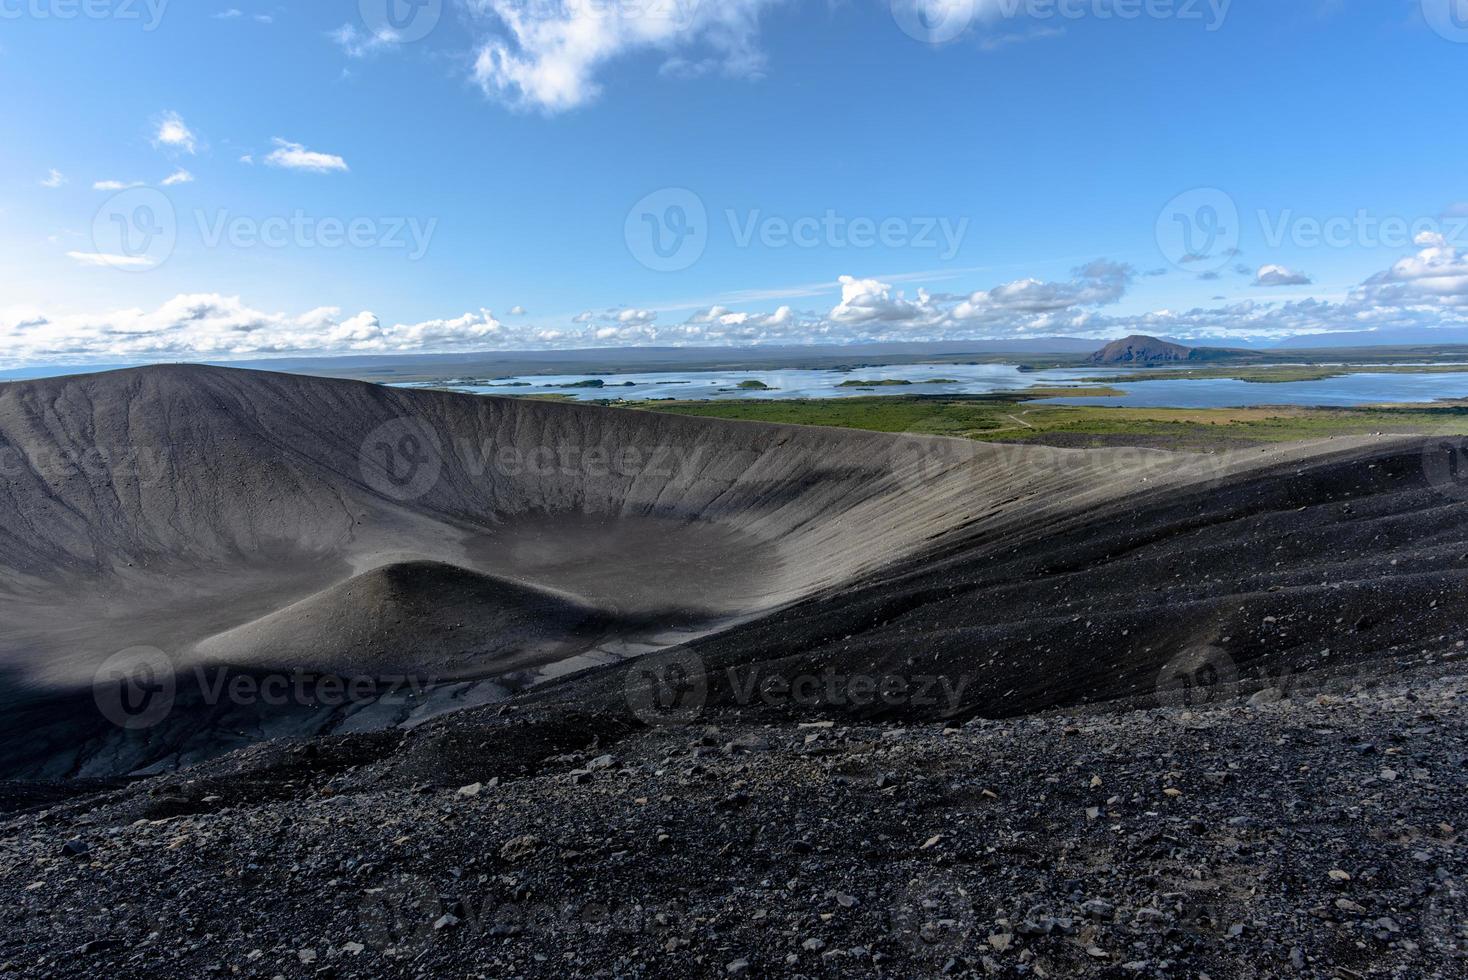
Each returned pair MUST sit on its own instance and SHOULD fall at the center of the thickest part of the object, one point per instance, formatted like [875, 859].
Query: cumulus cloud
[54, 179]
[116, 185]
[548, 56]
[1279, 275]
[211, 326]
[719, 324]
[294, 156]
[174, 134]
[637, 318]
[1436, 276]
[872, 301]
[178, 177]
[1095, 284]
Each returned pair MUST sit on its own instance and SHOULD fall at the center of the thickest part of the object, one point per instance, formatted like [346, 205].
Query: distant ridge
[1139, 349]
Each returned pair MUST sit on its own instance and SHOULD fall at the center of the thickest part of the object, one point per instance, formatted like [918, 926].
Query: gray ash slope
[1346, 559]
[206, 511]
[1318, 835]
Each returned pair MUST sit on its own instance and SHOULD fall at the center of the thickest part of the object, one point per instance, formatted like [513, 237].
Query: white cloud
[869, 301]
[1099, 283]
[248, 159]
[1279, 275]
[110, 261]
[1428, 289]
[173, 134]
[234, 13]
[361, 43]
[517, 311]
[211, 325]
[719, 324]
[547, 56]
[1436, 276]
[178, 177]
[115, 185]
[54, 179]
[294, 156]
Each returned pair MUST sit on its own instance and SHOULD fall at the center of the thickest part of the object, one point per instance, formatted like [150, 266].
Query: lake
[966, 379]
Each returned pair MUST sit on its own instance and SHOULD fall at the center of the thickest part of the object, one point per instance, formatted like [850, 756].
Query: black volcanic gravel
[1316, 836]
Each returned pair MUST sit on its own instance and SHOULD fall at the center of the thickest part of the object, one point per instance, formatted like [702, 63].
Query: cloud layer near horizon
[1428, 289]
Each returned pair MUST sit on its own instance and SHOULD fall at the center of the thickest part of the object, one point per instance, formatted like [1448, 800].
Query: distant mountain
[1409, 337]
[1142, 350]
[625, 360]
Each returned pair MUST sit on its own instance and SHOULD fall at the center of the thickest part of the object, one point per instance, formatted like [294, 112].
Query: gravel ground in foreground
[1318, 836]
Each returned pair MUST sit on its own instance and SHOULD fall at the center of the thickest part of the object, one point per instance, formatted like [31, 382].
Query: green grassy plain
[1006, 418]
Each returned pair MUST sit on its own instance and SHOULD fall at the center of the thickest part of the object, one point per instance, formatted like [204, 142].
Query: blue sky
[554, 173]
